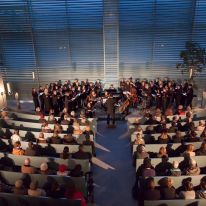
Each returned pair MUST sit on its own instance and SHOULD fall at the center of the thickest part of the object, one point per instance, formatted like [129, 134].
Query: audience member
[19, 188]
[62, 171]
[81, 154]
[65, 154]
[30, 150]
[193, 169]
[15, 137]
[164, 167]
[167, 189]
[35, 191]
[17, 150]
[27, 168]
[188, 193]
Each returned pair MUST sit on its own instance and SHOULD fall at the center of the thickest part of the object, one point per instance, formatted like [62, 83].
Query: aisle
[113, 185]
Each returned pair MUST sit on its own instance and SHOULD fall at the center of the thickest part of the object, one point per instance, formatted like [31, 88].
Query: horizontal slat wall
[153, 32]
[63, 39]
[57, 39]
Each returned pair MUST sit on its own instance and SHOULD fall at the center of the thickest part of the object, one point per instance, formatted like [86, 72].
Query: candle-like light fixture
[8, 87]
[33, 75]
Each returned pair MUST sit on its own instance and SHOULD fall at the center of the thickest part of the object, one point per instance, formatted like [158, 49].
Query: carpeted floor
[114, 174]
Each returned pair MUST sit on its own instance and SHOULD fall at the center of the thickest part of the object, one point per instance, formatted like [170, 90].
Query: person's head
[139, 129]
[66, 150]
[147, 163]
[27, 162]
[178, 133]
[30, 144]
[169, 182]
[175, 164]
[81, 147]
[65, 117]
[203, 146]
[19, 184]
[203, 183]
[41, 135]
[188, 186]
[165, 158]
[190, 148]
[180, 107]
[141, 149]
[38, 109]
[150, 183]
[62, 168]
[33, 185]
[162, 150]
[202, 123]
[44, 167]
[17, 144]
[72, 114]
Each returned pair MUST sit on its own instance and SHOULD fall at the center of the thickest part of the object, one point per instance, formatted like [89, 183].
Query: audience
[188, 192]
[27, 168]
[35, 191]
[19, 188]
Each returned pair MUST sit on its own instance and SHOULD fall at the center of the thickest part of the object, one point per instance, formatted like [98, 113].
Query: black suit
[110, 107]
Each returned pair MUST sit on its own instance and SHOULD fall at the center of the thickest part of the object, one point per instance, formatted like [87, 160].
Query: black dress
[35, 99]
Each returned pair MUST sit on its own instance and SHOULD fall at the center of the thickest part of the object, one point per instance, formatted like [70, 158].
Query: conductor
[110, 108]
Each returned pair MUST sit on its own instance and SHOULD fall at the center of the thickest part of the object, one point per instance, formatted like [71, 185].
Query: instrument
[123, 107]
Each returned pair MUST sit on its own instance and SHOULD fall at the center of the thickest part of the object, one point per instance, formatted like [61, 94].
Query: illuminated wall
[63, 39]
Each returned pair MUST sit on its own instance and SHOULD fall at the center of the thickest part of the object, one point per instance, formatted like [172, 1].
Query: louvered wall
[63, 39]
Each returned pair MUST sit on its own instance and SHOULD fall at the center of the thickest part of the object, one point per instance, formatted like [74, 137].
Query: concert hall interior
[102, 102]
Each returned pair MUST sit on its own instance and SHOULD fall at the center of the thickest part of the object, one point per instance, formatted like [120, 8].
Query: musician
[35, 98]
[55, 103]
[41, 92]
[47, 101]
[189, 96]
[110, 108]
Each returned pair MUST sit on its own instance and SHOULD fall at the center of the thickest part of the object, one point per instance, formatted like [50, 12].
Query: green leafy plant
[194, 59]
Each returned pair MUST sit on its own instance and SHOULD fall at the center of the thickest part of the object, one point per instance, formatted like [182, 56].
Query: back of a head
[33, 185]
[150, 183]
[188, 186]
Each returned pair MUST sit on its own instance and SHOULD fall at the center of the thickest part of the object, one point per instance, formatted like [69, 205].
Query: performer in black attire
[35, 98]
[47, 101]
[110, 107]
[190, 96]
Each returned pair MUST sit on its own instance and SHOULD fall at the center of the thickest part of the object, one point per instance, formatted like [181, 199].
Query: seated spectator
[77, 129]
[44, 169]
[193, 169]
[3, 146]
[65, 154]
[180, 110]
[163, 168]
[139, 130]
[158, 115]
[189, 150]
[189, 112]
[55, 139]
[188, 126]
[15, 137]
[73, 115]
[139, 140]
[4, 115]
[66, 120]
[83, 121]
[6, 163]
[170, 150]
[45, 127]
[161, 128]
[35, 191]
[27, 168]
[53, 189]
[162, 152]
[49, 151]
[188, 193]
[169, 111]
[201, 189]
[150, 192]
[88, 131]
[52, 119]
[180, 149]
[65, 111]
[173, 128]
[17, 150]
[201, 126]
[202, 150]
[19, 188]
[140, 153]
[175, 170]
[58, 128]
[167, 189]
[185, 164]
[69, 139]
[62, 171]
[149, 130]
[4, 186]
[151, 120]
[73, 194]
[177, 138]
[148, 170]
[191, 137]
[77, 171]
[91, 143]
[30, 150]
[164, 138]
[81, 154]
[142, 167]
[41, 138]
